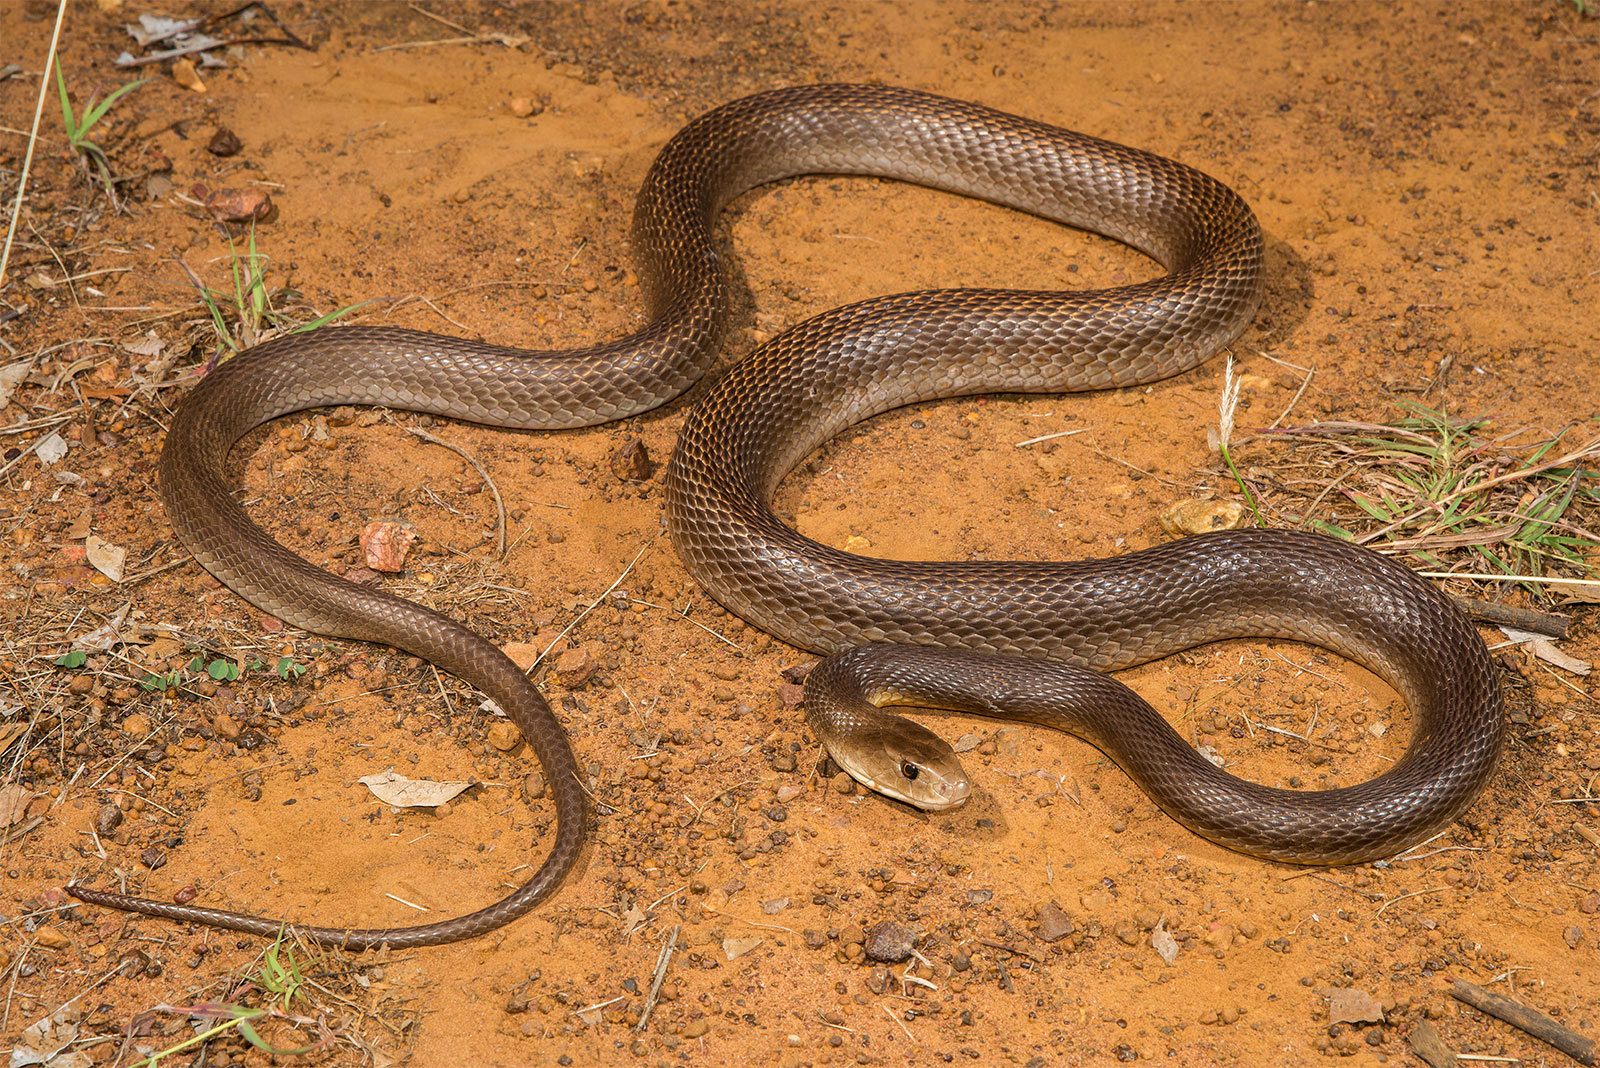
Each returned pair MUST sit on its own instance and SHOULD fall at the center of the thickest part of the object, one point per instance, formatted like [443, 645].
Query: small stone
[239, 205]
[878, 981]
[224, 143]
[135, 724]
[523, 108]
[696, 1028]
[185, 74]
[226, 726]
[775, 906]
[575, 667]
[1054, 923]
[1346, 1005]
[815, 939]
[108, 819]
[855, 543]
[385, 543]
[153, 858]
[1201, 517]
[735, 948]
[1572, 936]
[505, 736]
[533, 786]
[51, 938]
[889, 942]
[842, 783]
[631, 461]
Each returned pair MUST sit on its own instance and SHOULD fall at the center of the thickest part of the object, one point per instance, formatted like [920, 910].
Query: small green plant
[169, 680]
[78, 127]
[279, 978]
[247, 315]
[288, 668]
[1442, 490]
[74, 659]
[219, 668]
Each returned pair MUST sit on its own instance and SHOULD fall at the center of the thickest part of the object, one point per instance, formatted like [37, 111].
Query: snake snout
[954, 791]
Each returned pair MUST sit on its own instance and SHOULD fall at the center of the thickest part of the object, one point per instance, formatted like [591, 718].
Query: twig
[506, 39]
[33, 139]
[684, 615]
[592, 605]
[1522, 618]
[499, 505]
[890, 1013]
[665, 957]
[1525, 1019]
[1414, 893]
[1048, 437]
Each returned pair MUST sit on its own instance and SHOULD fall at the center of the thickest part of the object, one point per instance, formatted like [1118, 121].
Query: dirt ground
[1429, 184]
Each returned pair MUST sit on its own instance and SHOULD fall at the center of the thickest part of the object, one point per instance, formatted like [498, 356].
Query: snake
[1033, 636]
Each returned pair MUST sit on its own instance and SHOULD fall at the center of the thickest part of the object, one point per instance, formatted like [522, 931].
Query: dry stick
[592, 606]
[499, 505]
[667, 946]
[33, 140]
[1523, 1018]
[1522, 618]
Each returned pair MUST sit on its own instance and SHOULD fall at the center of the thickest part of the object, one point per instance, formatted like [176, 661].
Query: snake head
[906, 761]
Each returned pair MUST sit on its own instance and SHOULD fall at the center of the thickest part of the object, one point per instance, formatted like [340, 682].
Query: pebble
[889, 942]
[226, 726]
[51, 938]
[631, 461]
[533, 786]
[696, 1028]
[1200, 517]
[136, 724]
[505, 736]
[842, 782]
[239, 205]
[575, 667]
[108, 819]
[1054, 923]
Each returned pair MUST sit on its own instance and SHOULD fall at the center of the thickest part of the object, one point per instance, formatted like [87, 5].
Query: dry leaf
[633, 919]
[106, 558]
[1545, 649]
[51, 449]
[738, 947]
[14, 800]
[395, 789]
[1353, 1006]
[104, 637]
[1163, 942]
[11, 377]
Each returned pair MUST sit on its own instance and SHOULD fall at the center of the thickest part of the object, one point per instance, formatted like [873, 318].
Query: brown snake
[830, 372]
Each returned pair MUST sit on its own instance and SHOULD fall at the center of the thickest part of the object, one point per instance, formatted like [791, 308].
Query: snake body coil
[819, 378]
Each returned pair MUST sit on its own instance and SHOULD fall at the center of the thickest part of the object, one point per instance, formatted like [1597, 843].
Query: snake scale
[1023, 633]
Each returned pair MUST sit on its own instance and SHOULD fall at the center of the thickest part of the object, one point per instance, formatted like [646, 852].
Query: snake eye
[910, 770]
